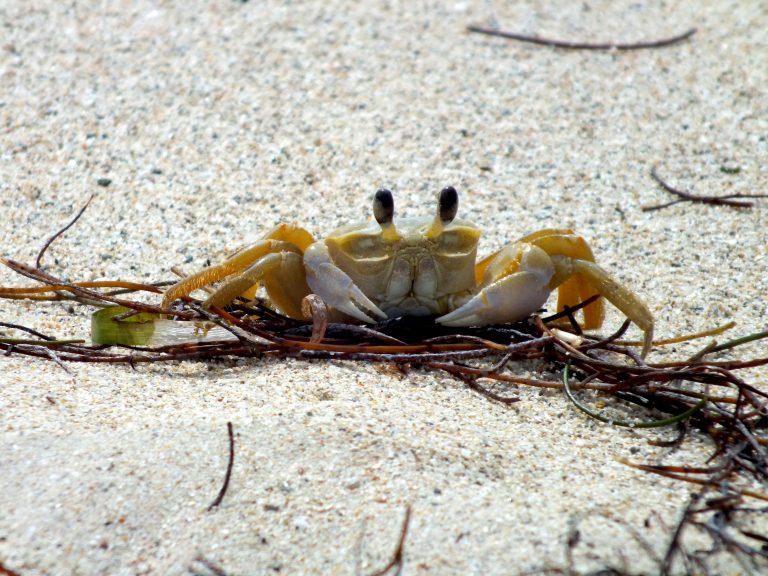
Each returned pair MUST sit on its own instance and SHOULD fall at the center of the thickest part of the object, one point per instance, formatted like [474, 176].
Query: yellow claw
[576, 277]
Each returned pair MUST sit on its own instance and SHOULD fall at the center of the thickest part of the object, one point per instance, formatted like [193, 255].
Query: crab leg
[283, 276]
[283, 237]
[577, 277]
[335, 287]
[629, 304]
[574, 274]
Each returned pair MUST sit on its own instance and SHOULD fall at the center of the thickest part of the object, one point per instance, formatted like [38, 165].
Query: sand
[214, 121]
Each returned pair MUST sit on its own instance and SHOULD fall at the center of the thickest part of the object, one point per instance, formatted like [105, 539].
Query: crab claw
[511, 297]
[335, 287]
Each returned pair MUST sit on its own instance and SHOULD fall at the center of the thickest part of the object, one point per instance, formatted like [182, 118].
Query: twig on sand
[60, 232]
[396, 562]
[570, 45]
[726, 200]
[230, 464]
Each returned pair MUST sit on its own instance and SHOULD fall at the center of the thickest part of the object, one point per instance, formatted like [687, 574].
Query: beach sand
[214, 121]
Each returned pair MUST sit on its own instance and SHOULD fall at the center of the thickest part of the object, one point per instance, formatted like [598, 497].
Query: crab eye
[383, 207]
[448, 204]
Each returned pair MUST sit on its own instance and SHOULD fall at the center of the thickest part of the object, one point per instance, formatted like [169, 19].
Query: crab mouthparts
[412, 287]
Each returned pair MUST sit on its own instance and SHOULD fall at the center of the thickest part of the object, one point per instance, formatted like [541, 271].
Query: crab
[423, 266]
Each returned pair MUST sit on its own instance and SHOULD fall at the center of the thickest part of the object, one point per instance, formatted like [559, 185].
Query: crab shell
[411, 272]
[420, 267]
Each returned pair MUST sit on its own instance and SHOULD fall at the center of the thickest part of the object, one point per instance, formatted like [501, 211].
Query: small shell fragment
[573, 339]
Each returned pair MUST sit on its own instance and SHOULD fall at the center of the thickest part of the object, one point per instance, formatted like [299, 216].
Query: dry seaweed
[395, 564]
[228, 473]
[208, 567]
[732, 200]
[575, 45]
[700, 393]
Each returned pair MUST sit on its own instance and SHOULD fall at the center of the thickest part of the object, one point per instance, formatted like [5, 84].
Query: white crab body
[419, 267]
[411, 274]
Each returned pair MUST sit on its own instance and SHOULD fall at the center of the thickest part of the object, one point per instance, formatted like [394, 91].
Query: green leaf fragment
[148, 329]
[135, 330]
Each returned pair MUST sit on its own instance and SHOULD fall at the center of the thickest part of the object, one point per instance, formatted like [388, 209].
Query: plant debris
[395, 564]
[699, 393]
[208, 567]
[7, 571]
[571, 45]
[230, 465]
[726, 200]
[69, 225]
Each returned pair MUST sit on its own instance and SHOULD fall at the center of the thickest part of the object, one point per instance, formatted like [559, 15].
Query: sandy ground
[216, 120]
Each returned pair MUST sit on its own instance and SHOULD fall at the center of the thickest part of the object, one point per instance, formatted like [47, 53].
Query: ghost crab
[421, 267]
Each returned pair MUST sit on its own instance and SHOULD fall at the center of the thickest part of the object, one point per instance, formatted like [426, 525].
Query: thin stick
[39, 343]
[230, 464]
[11, 293]
[674, 544]
[740, 341]
[216, 570]
[661, 471]
[569, 45]
[569, 311]
[397, 558]
[7, 571]
[683, 338]
[60, 232]
[726, 200]
[28, 330]
[55, 357]
[45, 278]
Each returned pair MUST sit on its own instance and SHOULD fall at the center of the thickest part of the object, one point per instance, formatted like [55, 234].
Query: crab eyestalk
[384, 212]
[447, 206]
